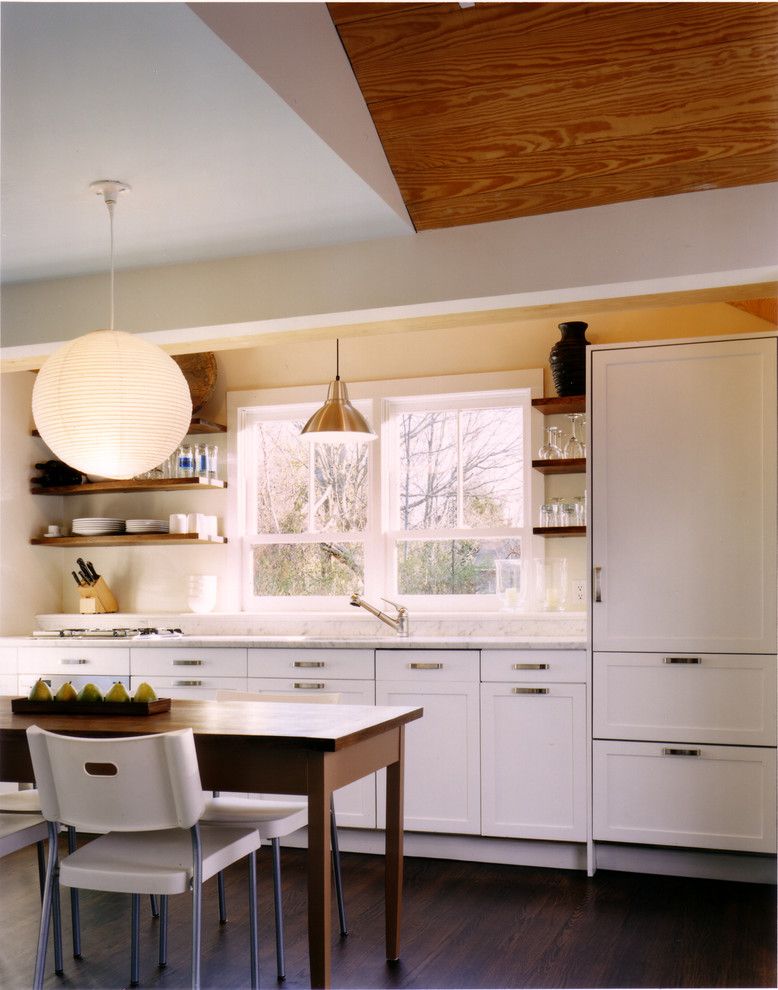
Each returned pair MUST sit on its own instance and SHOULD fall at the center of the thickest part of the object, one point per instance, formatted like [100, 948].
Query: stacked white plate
[147, 525]
[97, 526]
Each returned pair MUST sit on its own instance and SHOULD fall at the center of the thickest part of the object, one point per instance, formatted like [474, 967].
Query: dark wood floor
[465, 925]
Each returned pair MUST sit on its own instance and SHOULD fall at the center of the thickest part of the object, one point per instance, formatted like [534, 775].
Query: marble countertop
[475, 642]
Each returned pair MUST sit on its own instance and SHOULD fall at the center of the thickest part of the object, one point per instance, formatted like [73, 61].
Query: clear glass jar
[185, 462]
[213, 461]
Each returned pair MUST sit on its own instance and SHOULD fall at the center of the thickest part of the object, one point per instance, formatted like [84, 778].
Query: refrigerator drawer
[708, 698]
[710, 797]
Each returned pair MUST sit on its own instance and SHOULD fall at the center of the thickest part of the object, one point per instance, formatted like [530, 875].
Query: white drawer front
[311, 664]
[78, 680]
[191, 686]
[534, 665]
[185, 661]
[351, 690]
[78, 660]
[8, 660]
[713, 797]
[427, 665]
[709, 698]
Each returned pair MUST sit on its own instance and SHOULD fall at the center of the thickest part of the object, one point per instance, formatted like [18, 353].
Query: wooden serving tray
[23, 706]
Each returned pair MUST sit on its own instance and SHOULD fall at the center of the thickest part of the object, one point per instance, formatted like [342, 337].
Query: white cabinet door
[706, 697]
[683, 496]
[355, 803]
[442, 773]
[713, 797]
[533, 761]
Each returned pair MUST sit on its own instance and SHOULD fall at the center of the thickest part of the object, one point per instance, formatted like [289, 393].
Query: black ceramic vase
[568, 359]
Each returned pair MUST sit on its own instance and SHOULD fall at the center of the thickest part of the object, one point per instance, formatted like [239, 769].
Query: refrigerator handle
[597, 584]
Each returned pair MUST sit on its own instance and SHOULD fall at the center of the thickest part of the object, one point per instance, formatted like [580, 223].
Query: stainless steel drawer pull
[682, 660]
[530, 690]
[69, 661]
[598, 584]
[188, 683]
[309, 685]
[425, 666]
[188, 663]
[669, 751]
[530, 666]
[309, 663]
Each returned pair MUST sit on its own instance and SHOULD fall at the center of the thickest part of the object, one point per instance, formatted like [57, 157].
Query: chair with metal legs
[143, 795]
[18, 831]
[27, 802]
[275, 819]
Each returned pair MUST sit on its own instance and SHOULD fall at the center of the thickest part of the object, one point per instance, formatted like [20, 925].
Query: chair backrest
[314, 698]
[132, 784]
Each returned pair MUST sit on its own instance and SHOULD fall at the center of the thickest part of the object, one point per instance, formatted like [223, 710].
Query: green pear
[66, 693]
[40, 691]
[90, 693]
[117, 692]
[144, 692]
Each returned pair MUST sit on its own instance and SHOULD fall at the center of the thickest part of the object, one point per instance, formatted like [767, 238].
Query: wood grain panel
[585, 192]
[765, 309]
[414, 50]
[513, 109]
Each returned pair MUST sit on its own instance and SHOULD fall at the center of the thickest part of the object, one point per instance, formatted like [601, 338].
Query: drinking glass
[575, 447]
[511, 588]
[213, 462]
[551, 450]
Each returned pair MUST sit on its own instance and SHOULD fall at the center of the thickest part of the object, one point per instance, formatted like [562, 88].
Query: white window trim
[376, 394]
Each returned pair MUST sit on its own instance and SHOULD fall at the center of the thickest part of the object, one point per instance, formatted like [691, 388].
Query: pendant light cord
[337, 359]
[110, 205]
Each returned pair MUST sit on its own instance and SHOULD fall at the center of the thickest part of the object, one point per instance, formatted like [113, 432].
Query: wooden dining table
[273, 747]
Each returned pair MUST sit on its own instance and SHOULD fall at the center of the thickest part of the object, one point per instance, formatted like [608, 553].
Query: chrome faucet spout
[400, 623]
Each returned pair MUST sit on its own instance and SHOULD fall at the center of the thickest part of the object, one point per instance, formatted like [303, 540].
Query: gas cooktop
[121, 633]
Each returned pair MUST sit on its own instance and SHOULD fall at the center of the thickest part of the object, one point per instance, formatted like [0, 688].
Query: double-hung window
[419, 516]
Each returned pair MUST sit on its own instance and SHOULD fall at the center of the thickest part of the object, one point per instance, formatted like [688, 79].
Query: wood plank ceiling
[504, 110]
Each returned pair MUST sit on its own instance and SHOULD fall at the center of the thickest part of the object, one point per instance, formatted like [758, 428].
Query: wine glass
[575, 447]
[551, 450]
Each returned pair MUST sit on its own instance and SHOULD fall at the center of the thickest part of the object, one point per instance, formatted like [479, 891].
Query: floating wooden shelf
[196, 427]
[559, 405]
[559, 530]
[128, 540]
[566, 465]
[139, 485]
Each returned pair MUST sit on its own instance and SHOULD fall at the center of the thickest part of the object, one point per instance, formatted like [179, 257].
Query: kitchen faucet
[400, 624]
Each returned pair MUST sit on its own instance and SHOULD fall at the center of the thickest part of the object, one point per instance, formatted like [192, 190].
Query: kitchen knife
[77, 579]
[84, 571]
[93, 572]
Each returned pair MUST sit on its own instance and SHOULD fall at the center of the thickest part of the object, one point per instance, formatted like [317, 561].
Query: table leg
[394, 850]
[319, 878]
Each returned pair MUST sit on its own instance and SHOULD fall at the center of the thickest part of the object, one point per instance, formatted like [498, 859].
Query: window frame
[375, 400]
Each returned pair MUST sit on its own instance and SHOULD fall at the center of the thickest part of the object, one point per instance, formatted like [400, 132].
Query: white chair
[18, 831]
[274, 819]
[28, 802]
[144, 794]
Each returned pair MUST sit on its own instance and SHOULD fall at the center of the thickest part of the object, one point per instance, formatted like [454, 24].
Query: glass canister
[550, 584]
[510, 585]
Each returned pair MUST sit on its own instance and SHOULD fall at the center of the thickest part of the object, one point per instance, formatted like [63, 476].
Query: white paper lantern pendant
[109, 403]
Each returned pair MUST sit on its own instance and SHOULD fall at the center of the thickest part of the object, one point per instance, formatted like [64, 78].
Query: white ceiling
[146, 93]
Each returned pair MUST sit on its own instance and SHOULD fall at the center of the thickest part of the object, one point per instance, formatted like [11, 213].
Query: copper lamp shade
[337, 421]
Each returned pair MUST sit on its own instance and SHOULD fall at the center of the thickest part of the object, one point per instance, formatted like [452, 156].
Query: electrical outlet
[579, 592]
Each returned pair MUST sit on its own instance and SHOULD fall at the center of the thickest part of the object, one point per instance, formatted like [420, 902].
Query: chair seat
[273, 819]
[18, 831]
[21, 802]
[154, 862]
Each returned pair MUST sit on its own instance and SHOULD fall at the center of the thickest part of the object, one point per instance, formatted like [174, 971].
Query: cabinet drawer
[709, 698]
[427, 665]
[352, 691]
[712, 797]
[193, 686]
[311, 664]
[8, 660]
[533, 665]
[81, 660]
[185, 662]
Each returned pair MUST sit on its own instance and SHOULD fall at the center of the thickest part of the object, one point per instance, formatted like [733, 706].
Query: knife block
[97, 598]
